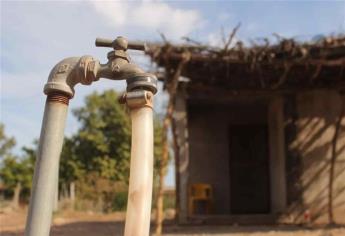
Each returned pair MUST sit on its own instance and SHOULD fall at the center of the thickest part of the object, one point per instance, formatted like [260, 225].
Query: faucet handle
[120, 43]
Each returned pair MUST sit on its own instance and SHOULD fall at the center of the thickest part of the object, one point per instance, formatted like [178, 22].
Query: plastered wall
[310, 127]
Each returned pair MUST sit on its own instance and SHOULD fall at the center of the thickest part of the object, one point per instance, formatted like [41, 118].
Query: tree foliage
[102, 143]
[6, 143]
[15, 172]
[71, 166]
[158, 144]
[96, 158]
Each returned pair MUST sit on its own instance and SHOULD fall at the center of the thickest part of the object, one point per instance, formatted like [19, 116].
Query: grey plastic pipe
[141, 173]
[47, 167]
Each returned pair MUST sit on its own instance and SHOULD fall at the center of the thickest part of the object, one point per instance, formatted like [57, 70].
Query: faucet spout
[120, 69]
[119, 66]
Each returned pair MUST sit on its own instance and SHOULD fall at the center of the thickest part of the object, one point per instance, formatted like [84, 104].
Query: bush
[100, 194]
[120, 201]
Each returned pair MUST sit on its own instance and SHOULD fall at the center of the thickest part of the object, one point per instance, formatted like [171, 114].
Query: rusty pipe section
[141, 167]
[59, 90]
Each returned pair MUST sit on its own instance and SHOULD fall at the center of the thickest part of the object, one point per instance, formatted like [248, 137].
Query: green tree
[70, 170]
[102, 144]
[6, 143]
[15, 173]
[97, 157]
[158, 150]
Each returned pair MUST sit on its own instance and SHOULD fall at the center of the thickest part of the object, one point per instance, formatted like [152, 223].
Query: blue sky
[35, 35]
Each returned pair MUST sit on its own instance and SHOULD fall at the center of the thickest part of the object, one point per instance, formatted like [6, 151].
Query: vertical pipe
[46, 170]
[141, 173]
[56, 195]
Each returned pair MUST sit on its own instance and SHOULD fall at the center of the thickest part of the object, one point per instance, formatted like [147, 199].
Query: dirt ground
[91, 224]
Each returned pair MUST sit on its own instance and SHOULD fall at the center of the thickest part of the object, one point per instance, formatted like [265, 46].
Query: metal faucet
[59, 89]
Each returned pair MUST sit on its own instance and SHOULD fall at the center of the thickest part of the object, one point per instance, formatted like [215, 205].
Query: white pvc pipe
[141, 174]
[46, 170]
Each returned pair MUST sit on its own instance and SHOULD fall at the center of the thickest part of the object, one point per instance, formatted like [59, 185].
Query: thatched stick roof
[285, 65]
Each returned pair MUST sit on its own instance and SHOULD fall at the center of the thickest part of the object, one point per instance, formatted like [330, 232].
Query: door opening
[249, 169]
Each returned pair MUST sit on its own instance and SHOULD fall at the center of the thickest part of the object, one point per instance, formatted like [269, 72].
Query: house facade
[267, 138]
[267, 157]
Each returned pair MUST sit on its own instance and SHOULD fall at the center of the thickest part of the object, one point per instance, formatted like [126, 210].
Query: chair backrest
[201, 190]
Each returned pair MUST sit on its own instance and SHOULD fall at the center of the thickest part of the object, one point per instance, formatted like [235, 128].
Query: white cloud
[252, 27]
[215, 39]
[225, 16]
[115, 11]
[150, 15]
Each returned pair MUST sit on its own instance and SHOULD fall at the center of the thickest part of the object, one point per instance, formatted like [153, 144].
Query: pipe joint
[137, 99]
[145, 81]
[69, 72]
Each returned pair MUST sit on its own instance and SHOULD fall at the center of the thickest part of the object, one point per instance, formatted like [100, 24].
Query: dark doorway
[249, 169]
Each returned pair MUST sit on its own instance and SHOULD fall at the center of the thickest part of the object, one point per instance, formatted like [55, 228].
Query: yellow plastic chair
[200, 193]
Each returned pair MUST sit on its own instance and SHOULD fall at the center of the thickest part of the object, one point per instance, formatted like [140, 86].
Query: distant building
[258, 124]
